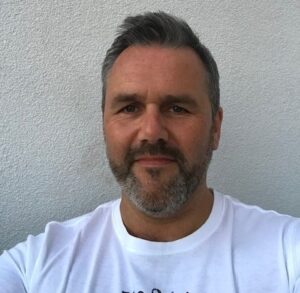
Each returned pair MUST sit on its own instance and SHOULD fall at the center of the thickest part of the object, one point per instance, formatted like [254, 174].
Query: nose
[152, 128]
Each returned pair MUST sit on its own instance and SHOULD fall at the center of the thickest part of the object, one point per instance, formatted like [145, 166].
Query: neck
[190, 217]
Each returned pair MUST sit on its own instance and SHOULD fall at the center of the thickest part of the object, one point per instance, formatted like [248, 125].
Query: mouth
[152, 161]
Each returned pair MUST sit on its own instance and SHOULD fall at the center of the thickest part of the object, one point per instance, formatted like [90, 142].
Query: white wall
[52, 161]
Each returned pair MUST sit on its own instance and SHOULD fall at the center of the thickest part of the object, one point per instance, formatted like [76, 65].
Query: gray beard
[172, 195]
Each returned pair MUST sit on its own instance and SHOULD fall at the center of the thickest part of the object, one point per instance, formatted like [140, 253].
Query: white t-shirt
[240, 248]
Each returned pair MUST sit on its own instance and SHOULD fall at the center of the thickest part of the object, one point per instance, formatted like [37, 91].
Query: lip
[154, 161]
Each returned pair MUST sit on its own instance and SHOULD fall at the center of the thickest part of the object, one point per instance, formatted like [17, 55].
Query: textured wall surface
[52, 161]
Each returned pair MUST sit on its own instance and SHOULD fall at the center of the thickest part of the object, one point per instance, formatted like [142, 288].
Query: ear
[216, 128]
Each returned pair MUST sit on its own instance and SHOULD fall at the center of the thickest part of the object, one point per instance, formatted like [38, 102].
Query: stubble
[170, 195]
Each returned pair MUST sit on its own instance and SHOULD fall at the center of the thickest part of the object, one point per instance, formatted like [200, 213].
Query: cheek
[117, 140]
[194, 142]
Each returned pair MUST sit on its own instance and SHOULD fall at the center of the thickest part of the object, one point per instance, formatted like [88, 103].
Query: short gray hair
[165, 30]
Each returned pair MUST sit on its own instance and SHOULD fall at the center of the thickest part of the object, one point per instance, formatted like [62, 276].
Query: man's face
[158, 127]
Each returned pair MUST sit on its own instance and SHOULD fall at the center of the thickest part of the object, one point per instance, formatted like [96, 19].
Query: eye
[129, 109]
[177, 109]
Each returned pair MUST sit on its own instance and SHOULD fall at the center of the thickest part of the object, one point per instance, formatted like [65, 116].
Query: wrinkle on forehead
[171, 68]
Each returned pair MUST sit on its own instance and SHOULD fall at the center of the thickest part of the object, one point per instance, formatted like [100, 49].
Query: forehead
[156, 68]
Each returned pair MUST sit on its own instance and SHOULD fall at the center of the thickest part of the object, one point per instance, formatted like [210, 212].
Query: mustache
[159, 148]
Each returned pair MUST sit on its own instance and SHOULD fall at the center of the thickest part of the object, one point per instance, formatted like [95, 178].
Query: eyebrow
[181, 99]
[123, 99]
[165, 100]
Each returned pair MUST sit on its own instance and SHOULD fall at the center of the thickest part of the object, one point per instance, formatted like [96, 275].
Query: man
[169, 232]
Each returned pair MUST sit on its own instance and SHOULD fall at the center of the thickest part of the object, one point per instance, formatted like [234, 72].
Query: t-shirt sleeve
[12, 272]
[18, 265]
[297, 287]
[294, 249]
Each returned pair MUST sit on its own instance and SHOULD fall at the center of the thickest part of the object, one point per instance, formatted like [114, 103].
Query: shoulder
[27, 262]
[100, 214]
[264, 232]
[60, 234]
[255, 214]
[251, 222]
[57, 241]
